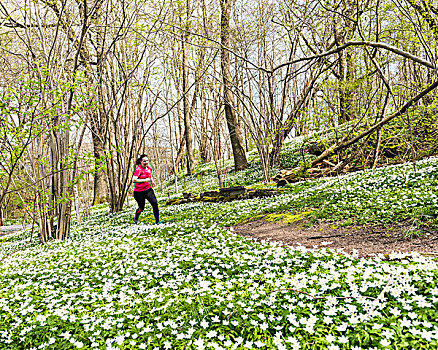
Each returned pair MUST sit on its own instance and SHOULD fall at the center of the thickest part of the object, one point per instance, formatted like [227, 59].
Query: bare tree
[234, 128]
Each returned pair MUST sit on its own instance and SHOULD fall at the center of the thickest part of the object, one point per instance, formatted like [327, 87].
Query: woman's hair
[138, 161]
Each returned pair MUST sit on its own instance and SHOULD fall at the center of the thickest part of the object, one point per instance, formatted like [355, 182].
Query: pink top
[142, 173]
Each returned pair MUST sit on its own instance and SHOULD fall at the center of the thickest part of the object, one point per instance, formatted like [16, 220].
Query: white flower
[211, 334]
[388, 334]
[327, 320]
[264, 326]
[248, 345]
[277, 341]
[65, 335]
[330, 338]
[120, 339]
[204, 284]
[385, 342]
[342, 327]
[343, 339]
[199, 344]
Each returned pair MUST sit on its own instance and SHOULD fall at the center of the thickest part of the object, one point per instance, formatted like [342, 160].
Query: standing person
[143, 184]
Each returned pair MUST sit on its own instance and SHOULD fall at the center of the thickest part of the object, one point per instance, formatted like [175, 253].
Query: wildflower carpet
[193, 283]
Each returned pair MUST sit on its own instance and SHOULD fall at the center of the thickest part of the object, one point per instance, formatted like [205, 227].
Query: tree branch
[403, 109]
[360, 43]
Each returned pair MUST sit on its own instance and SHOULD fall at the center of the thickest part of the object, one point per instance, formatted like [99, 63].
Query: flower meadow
[192, 283]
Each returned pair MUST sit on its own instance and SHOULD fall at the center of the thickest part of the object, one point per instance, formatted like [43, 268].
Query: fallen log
[294, 175]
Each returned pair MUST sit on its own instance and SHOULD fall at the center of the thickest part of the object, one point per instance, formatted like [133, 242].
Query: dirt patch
[5, 230]
[366, 240]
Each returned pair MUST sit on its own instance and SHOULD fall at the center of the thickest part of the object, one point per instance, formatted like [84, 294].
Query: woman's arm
[135, 179]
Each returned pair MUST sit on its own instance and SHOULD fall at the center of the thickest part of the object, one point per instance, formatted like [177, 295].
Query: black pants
[141, 196]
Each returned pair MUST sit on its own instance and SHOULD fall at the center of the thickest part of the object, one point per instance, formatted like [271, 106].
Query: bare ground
[366, 240]
[5, 230]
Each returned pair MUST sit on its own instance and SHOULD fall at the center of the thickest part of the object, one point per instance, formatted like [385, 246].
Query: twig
[328, 162]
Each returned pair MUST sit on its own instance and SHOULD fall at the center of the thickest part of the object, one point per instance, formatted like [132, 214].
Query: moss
[174, 201]
[288, 218]
[250, 219]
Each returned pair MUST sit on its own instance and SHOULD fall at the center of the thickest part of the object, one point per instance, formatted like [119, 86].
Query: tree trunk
[179, 154]
[346, 74]
[379, 132]
[240, 161]
[100, 190]
[186, 106]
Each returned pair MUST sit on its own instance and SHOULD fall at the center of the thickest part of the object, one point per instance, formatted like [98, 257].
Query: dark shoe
[159, 222]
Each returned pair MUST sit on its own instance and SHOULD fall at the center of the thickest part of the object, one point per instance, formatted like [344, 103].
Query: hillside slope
[194, 284]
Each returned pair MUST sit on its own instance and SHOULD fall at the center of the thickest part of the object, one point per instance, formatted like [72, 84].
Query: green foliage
[35, 118]
[291, 157]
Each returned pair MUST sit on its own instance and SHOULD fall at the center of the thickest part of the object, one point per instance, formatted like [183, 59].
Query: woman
[143, 184]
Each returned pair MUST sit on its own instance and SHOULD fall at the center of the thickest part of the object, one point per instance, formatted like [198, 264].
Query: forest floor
[366, 240]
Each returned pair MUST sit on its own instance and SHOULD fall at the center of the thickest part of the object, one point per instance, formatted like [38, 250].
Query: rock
[390, 152]
[281, 183]
[230, 191]
[209, 194]
[227, 194]
[268, 192]
[316, 148]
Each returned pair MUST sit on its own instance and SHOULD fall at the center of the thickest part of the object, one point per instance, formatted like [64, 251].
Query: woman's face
[144, 162]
